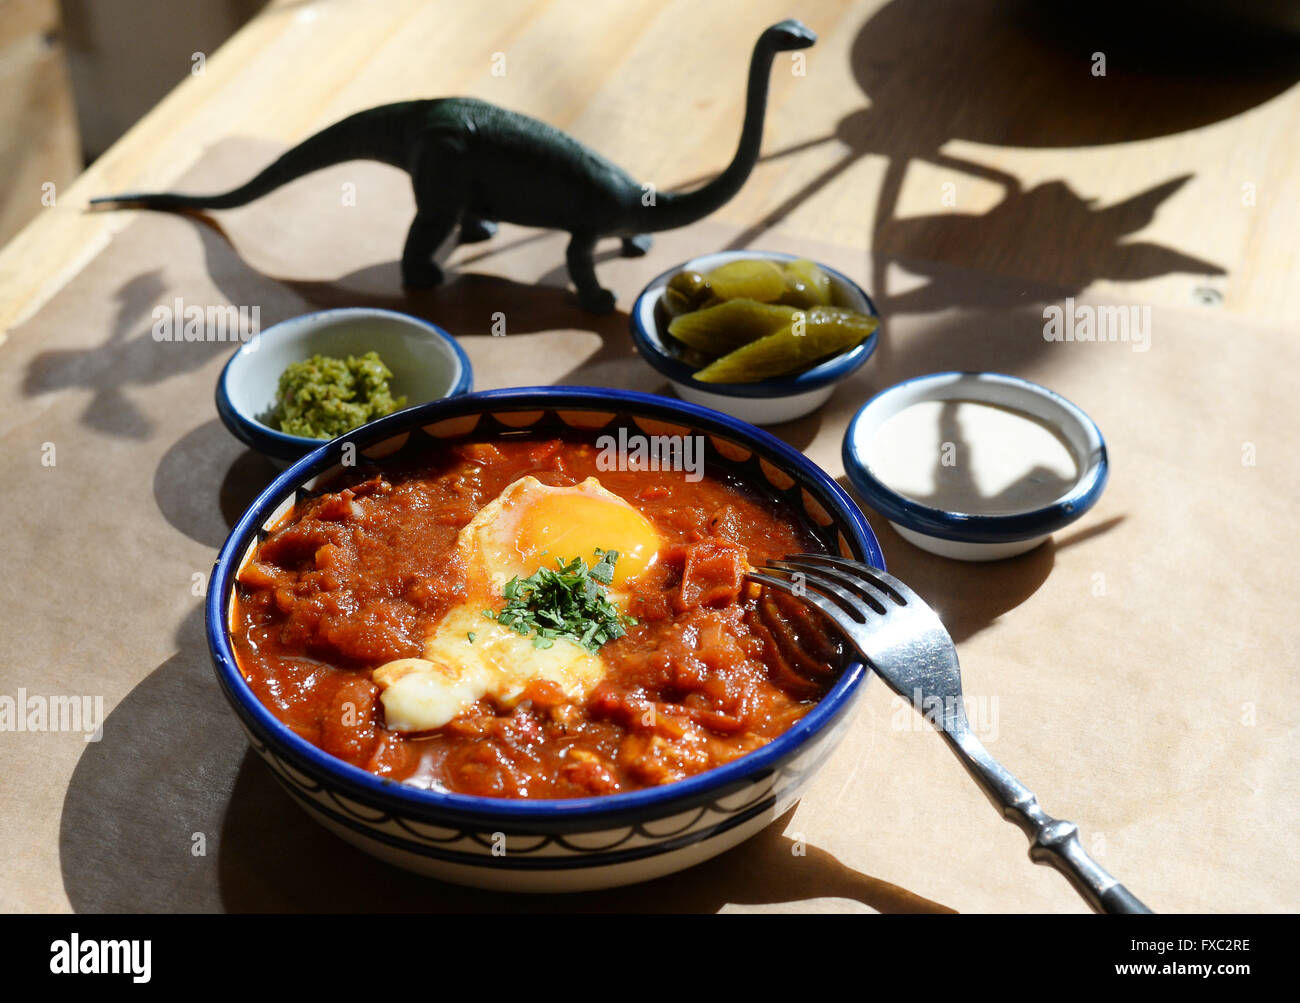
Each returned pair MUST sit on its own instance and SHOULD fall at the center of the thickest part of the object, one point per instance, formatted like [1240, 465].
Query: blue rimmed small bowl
[426, 361]
[977, 537]
[553, 845]
[766, 402]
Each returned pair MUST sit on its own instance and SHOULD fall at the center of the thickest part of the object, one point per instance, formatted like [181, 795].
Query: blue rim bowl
[394, 820]
[746, 399]
[1079, 431]
[427, 363]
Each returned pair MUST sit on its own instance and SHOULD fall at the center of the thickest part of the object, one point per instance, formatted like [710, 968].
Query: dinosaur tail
[383, 134]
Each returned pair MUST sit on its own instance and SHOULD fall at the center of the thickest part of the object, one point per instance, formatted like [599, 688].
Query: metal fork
[903, 640]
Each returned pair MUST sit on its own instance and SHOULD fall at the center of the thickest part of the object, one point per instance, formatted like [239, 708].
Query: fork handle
[1053, 841]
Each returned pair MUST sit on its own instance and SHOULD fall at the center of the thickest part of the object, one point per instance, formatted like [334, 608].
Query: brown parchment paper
[1138, 671]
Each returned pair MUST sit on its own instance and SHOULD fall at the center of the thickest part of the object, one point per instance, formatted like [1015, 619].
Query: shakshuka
[505, 618]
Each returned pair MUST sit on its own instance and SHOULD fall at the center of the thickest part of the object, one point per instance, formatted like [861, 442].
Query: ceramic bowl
[766, 402]
[426, 361]
[964, 536]
[550, 845]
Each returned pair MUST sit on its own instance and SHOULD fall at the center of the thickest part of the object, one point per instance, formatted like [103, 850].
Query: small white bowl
[766, 402]
[978, 537]
[426, 361]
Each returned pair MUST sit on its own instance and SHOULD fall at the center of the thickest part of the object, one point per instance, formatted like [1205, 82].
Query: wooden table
[1087, 174]
[964, 152]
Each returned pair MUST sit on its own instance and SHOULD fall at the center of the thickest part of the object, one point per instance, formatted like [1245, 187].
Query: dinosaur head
[674, 209]
[789, 34]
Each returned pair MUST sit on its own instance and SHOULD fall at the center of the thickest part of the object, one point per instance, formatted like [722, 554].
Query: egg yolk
[568, 525]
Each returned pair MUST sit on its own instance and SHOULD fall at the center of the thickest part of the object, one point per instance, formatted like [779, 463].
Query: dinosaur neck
[674, 209]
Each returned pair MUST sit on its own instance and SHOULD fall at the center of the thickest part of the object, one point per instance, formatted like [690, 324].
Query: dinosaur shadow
[172, 812]
[468, 304]
[997, 241]
[1018, 74]
[129, 357]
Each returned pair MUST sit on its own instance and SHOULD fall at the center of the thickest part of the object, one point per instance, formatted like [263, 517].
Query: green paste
[323, 397]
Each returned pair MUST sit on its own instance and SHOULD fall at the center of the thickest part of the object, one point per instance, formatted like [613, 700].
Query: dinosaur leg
[428, 231]
[439, 184]
[635, 247]
[582, 270]
[475, 228]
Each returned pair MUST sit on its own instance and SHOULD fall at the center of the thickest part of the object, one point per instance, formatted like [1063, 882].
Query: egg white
[423, 694]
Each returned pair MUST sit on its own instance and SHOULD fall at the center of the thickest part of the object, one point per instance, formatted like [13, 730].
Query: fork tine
[831, 609]
[876, 598]
[847, 601]
[882, 580]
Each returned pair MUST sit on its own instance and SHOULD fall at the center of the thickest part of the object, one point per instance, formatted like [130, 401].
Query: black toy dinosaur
[472, 164]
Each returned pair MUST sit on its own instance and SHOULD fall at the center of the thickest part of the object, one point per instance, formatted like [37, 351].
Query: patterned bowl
[553, 845]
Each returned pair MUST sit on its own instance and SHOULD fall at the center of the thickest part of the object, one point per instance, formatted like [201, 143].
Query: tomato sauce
[359, 575]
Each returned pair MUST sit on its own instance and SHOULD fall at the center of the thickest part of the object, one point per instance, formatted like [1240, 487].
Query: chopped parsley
[567, 602]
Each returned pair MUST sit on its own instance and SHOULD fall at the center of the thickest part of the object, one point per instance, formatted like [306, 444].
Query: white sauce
[971, 457]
